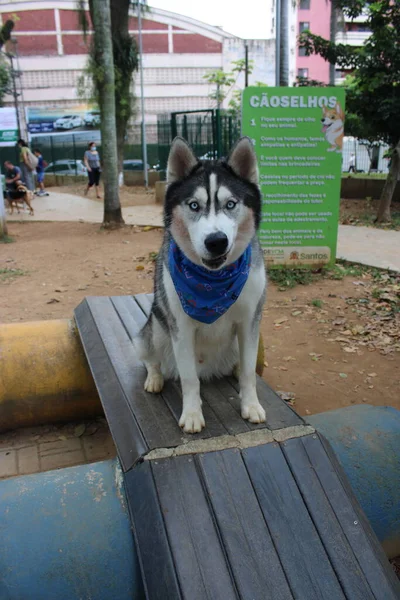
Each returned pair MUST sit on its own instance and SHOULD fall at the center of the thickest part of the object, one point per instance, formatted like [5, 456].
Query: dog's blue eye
[194, 206]
[230, 205]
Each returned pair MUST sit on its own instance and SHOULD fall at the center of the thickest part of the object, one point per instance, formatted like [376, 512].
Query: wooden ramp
[239, 511]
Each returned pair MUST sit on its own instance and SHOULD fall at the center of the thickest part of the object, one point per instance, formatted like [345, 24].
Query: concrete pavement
[366, 245]
[67, 207]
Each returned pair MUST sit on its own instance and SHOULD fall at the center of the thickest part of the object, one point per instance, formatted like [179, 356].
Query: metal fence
[366, 158]
[57, 149]
[211, 133]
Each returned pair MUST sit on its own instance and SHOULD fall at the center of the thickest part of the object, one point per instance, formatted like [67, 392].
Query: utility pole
[277, 42]
[246, 65]
[14, 74]
[144, 142]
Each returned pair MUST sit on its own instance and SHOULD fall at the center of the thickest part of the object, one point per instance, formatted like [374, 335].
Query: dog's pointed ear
[243, 160]
[181, 160]
[339, 111]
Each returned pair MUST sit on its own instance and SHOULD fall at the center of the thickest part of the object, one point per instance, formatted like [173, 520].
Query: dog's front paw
[253, 413]
[192, 421]
[154, 383]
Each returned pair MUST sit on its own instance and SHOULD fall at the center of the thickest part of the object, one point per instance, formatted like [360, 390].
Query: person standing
[40, 173]
[27, 167]
[352, 163]
[91, 160]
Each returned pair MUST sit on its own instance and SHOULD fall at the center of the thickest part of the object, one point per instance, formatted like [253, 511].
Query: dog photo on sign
[210, 280]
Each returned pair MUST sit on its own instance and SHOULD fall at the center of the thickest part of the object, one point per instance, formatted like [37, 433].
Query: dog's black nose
[322, 120]
[216, 243]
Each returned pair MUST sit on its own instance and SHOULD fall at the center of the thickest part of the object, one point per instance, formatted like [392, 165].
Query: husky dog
[210, 280]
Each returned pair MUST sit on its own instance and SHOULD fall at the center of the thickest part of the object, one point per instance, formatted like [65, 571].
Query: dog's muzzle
[216, 245]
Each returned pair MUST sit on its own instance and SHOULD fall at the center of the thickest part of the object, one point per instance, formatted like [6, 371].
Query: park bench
[256, 512]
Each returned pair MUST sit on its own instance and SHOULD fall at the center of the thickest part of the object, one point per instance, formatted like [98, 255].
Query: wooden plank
[155, 421]
[155, 556]
[145, 302]
[253, 559]
[130, 314]
[298, 544]
[279, 414]
[120, 418]
[229, 416]
[330, 531]
[199, 559]
[376, 568]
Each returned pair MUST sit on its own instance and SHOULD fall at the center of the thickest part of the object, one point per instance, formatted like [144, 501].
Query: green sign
[9, 136]
[8, 126]
[298, 137]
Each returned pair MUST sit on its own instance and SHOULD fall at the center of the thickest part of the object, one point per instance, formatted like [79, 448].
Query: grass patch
[9, 274]
[288, 277]
[345, 175]
[7, 239]
[317, 303]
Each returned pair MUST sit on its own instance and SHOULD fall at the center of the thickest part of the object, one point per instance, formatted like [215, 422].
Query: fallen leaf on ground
[281, 320]
[79, 430]
[372, 374]
[287, 396]
[343, 375]
[140, 268]
[53, 301]
[296, 313]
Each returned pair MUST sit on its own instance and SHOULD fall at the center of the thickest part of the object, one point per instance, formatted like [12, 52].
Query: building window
[304, 26]
[302, 52]
[302, 73]
[304, 4]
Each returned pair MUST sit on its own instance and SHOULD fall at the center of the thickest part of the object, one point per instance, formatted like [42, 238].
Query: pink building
[315, 16]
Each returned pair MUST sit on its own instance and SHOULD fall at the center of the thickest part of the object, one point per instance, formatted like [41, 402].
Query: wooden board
[139, 421]
[255, 524]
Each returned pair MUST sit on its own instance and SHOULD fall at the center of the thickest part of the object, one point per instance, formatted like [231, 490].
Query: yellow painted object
[44, 375]
[260, 356]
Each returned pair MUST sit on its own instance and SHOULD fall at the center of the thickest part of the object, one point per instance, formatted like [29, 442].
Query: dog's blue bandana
[206, 295]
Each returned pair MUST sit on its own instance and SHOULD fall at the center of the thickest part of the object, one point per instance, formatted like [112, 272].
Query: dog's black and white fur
[203, 199]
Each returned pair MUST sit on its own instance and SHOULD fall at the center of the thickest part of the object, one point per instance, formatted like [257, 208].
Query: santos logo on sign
[264, 101]
[315, 255]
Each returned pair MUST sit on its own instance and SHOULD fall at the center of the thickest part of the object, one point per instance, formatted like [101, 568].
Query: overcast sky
[245, 19]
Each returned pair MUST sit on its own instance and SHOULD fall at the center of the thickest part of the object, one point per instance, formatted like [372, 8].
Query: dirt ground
[363, 212]
[328, 344]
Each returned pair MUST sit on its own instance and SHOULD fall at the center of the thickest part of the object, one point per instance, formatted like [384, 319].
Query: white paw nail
[192, 422]
[253, 413]
[154, 383]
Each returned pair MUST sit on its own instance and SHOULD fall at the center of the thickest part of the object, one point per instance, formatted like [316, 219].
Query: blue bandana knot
[207, 295]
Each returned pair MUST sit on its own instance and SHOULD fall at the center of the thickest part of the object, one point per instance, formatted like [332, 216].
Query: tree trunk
[119, 31]
[385, 201]
[101, 19]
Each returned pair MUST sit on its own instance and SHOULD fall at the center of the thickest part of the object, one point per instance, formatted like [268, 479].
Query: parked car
[208, 156]
[66, 167]
[134, 165]
[68, 122]
[92, 118]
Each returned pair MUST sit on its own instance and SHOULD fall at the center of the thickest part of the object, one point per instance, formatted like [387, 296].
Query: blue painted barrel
[66, 535]
[366, 440]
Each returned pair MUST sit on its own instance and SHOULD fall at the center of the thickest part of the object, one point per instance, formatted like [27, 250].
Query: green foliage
[4, 80]
[224, 82]
[373, 91]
